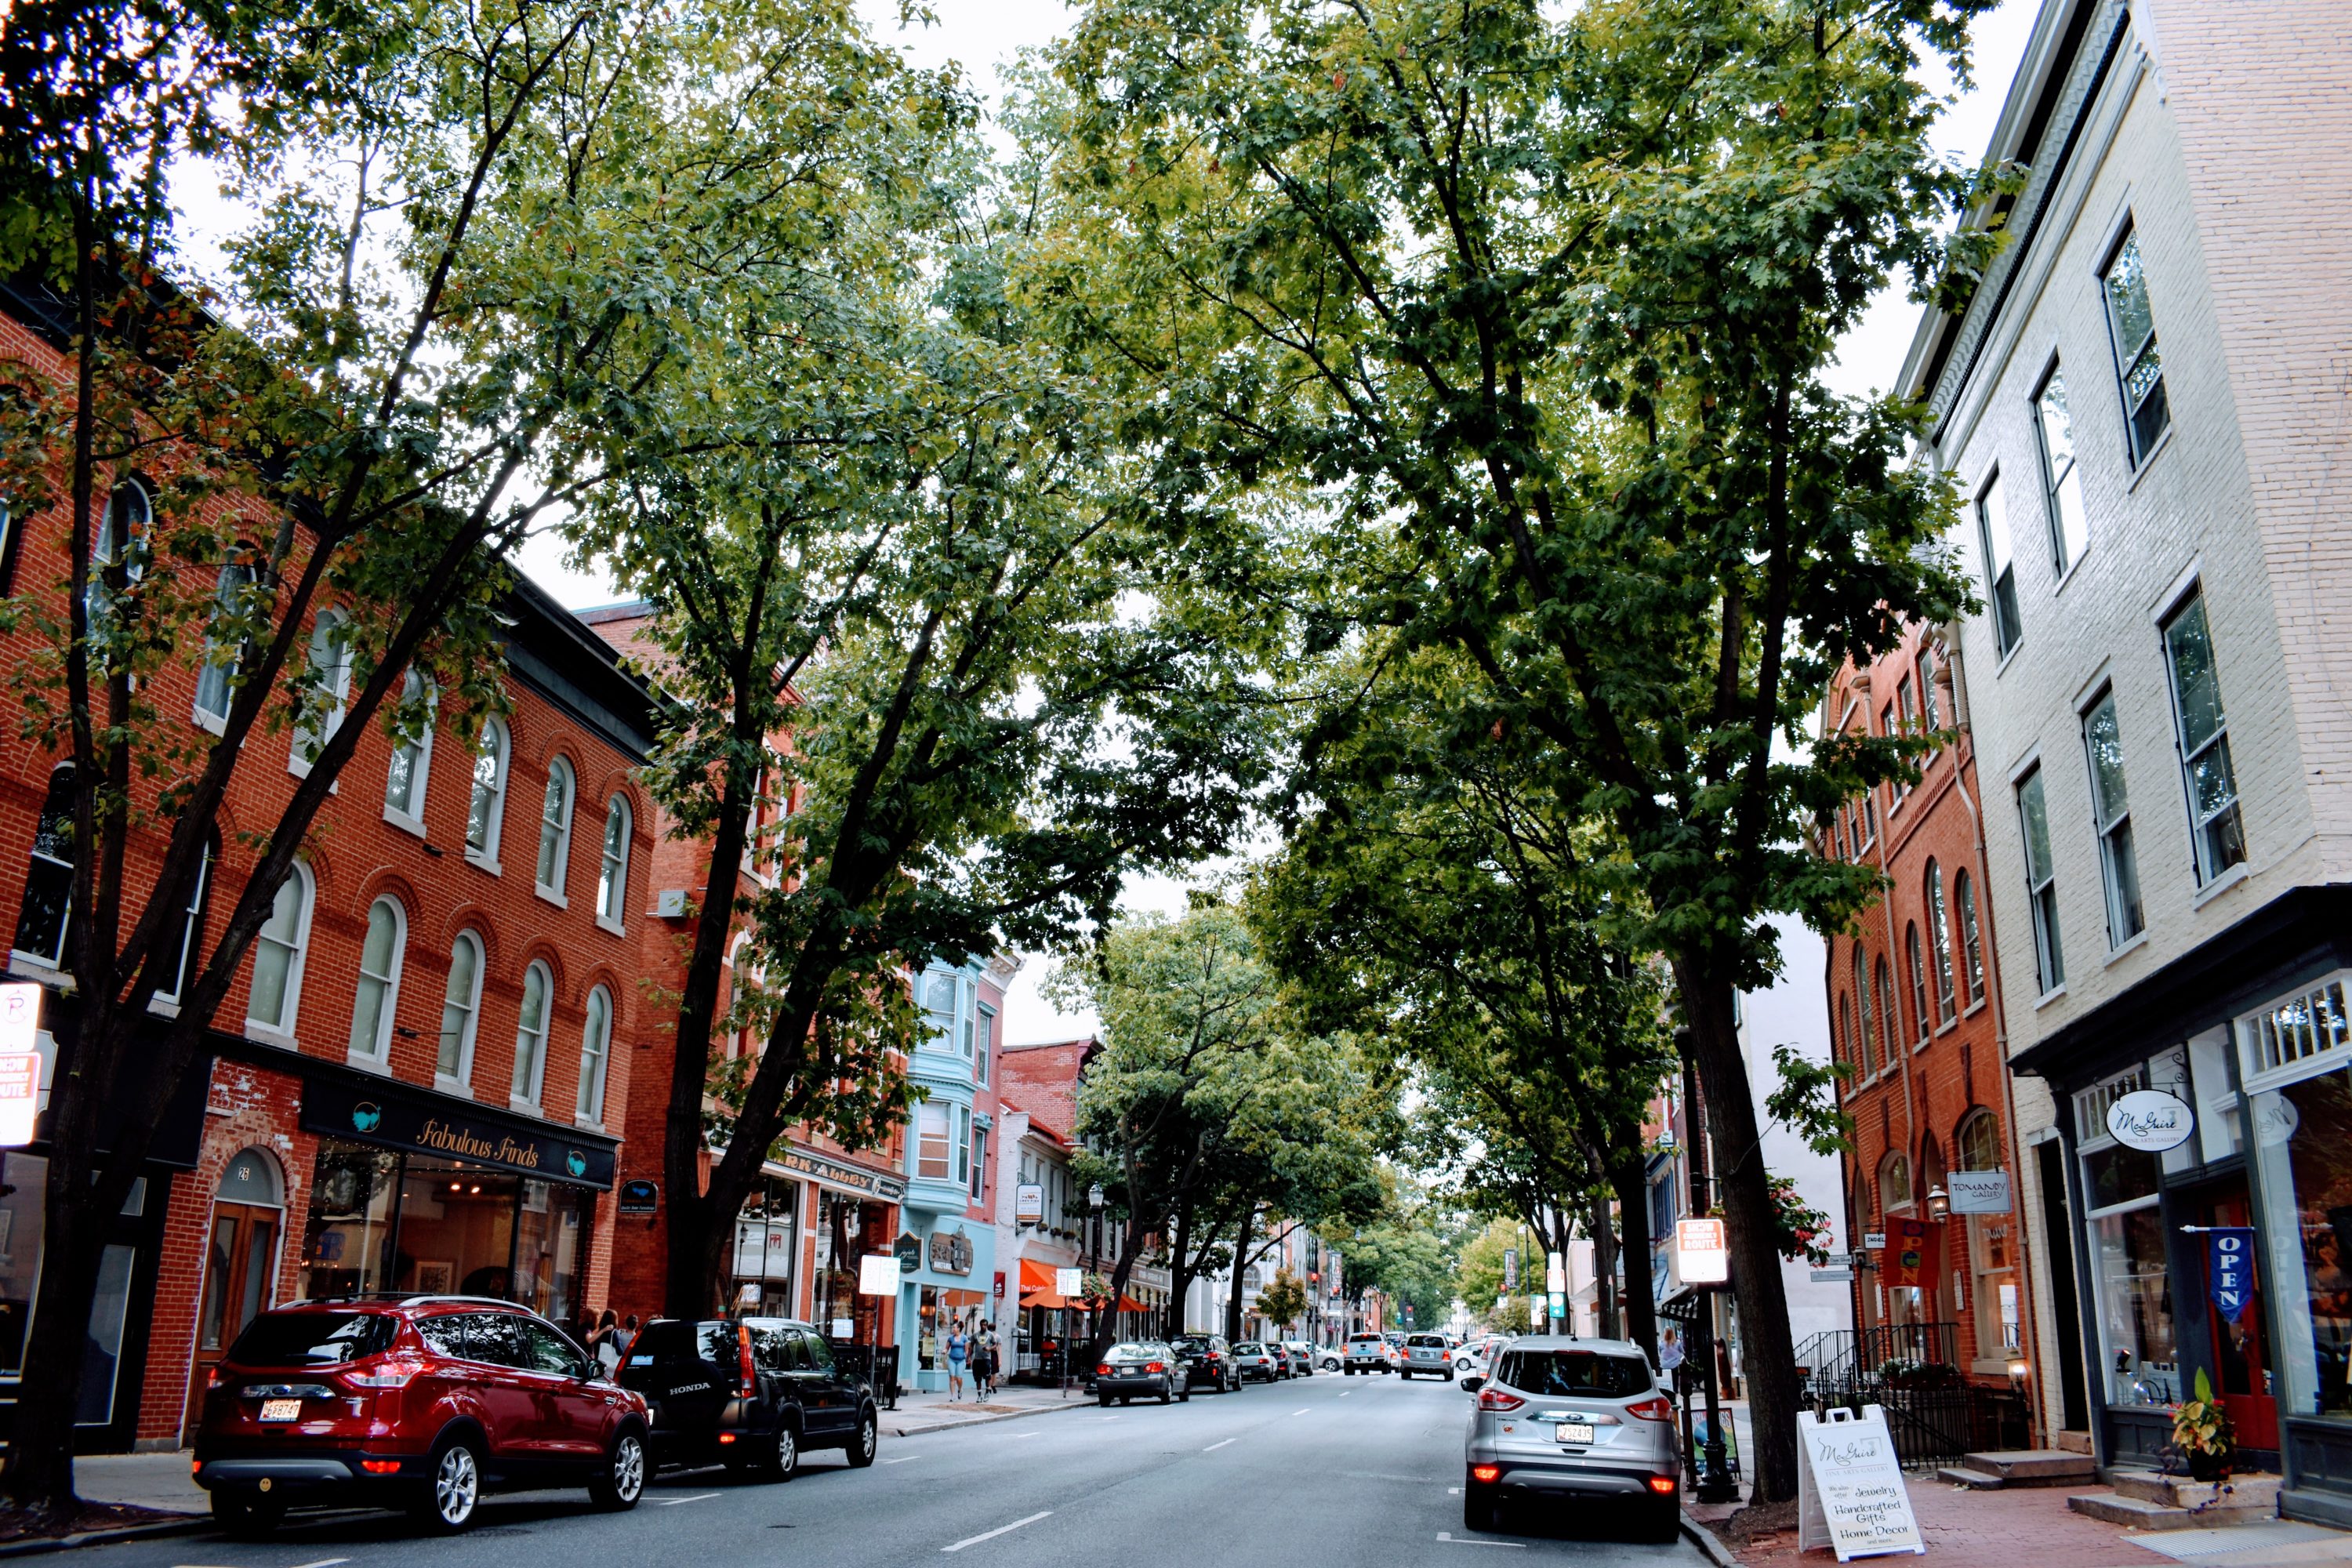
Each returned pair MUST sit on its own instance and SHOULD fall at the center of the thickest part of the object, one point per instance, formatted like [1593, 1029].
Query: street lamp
[1094, 1243]
[1940, 1204]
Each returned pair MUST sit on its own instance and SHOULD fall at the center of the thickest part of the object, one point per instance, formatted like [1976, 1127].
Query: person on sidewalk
[605, 1344]
[959, 1357]
[983, 1364]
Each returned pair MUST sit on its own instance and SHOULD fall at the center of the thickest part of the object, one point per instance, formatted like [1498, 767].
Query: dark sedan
[1144, 1367]
[1208, 1362]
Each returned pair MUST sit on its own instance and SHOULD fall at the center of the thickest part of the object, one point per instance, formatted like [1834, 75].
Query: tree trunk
[1179, 1271]
[1632, 1181]
[1768, 1353]
[1107, 1321]
[1604, 1267]
[1241, 1251]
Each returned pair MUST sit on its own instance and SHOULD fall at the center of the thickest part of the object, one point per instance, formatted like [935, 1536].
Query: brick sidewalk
[2006, 1528]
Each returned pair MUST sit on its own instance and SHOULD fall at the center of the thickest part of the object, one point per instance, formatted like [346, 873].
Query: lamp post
[1094, 1244]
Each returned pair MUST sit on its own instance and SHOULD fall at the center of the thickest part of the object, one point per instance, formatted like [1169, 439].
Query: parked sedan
[1568, 1422]
[753, 1392]
[1146, 1367]
[1327, 1358]
[1428, 1354]
[1301, 1356]
[1209, 1363]
[1257, 1361]
[422, 1402]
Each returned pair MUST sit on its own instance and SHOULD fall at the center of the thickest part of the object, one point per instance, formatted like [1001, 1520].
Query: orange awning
[1035, 1276]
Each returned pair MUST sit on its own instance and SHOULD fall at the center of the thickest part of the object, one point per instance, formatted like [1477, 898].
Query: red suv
[422, 1402]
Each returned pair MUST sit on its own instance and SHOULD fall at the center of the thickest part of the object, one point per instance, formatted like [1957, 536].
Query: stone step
[2072, 1442]
[2252, 1490]
[2138, 1513]
[2031, 1467]
[1975, 1481]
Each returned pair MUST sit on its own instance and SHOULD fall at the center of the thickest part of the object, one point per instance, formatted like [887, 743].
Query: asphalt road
[1361, 1471]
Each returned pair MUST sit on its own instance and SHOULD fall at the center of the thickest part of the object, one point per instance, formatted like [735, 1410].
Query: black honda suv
[1208, 1363]
[753, 1392]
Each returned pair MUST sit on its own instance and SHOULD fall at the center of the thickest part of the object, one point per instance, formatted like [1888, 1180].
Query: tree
[451, 233]
[1540, 303]
[1284, 1300]
[1400, 1253]
[1480, 1275]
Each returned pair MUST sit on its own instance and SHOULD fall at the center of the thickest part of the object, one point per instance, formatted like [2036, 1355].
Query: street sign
[1556, 1303]
[1510, 1269]
[1070, 1282]
[1555, 1272]
[1834, 1274]
[20, 1061]
[1874, 1241]
[1702, 1255]
[877, 1274]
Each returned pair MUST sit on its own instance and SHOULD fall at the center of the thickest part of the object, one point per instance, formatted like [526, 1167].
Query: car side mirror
[1473, 1385]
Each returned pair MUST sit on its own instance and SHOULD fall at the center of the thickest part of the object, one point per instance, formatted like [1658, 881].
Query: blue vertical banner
[2230, 1269]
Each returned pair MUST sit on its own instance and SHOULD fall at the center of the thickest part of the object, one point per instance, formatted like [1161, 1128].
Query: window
[986, 1044]
[932, 1155]
[1992, 1247]
[216, 682]
[555, 828]
[485, 811]
[2001, 570]
[613, 871]
[979, 1163]
[412, 754]
[379, 987]
[1931, 711]
[2214, 824]
[1890, 1019]
[1964, 893]
[1865, 1055]
[2062, 484]
[124, 533]
[43, 923]
[2040, 883]
[1887, 725]
[1939, 942]
[2137, 366]
[1894, 1182]
[596, 1049]
[192, 929]
[530, 1036]
[1841, 1047]
[324, 693]
[2111, 814]
[277, 951]
[1869, 819]
[1903, 706]
[460, 1007]
[1919, 1013]
[963, 1143]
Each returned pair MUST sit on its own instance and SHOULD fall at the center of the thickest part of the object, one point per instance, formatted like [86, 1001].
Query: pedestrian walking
[959, 1357]
[604, 1344]
[983, 1364]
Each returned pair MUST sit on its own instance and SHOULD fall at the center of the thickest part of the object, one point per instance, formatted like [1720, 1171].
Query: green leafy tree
[1283, 1302]
[1540, 303]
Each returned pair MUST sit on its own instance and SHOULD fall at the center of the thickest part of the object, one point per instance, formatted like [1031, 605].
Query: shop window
[596, 1049]
[216, 681]
[485, 811]
[934, 1152]
[1940, 941]
[2000, 568]
[412, 755]
[2111, 814]
[555, 830]
[2040, 883]
[766, 1245]
[2131, 1290]
[2216, 830]
[1863, 1048]
[44, 920]
[379, 988]
[613, 869]
[277, 949]
[324, 692]
[2138, 367]
[461, 1006]
[2070, 528]
[1992, 1247]
[347, 1236]
[531, 1037]
[1964, 893]
[183, 947]
[24, 1196]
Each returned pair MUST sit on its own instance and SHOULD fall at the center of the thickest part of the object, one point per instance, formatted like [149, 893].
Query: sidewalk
[920, 1413]
[142, 1480]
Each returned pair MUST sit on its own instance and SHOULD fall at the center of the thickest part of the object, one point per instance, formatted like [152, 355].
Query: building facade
[2140, 404]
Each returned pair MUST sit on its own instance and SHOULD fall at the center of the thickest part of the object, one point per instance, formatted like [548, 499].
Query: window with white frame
[216, 681]
[461, 1006]
[1865, 1055]
[325, 690]
[613, 869]
[1964, 894]
[979, 1163]
[595, 1051]
[125, 531]
[2041, 882]
[1931, 707]
[2139, 368]
[985, 1046]
[277, 949]
[2000, 567]
[1992, 1247]
[2130, 1288]
[2062, 484]
[1920, 1016]
[555, 828]
[183, 947]
[412, 754]
[2103, 743]
[963, 1143]
[934, 1141]
[45, 918]
[1940, 941]
[379, 987]
[2215, 827]
[487, 810]
[530, 1034]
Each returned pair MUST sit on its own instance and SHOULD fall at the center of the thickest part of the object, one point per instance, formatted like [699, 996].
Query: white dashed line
[1452, 1540]
[1214, 1446]
[999, 1529]
[1302, 1410]
[324, 1562]
[672, 1501]
[902, 1459]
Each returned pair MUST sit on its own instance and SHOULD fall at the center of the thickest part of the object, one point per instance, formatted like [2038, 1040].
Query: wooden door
[240, 1270]
[2241, 1359]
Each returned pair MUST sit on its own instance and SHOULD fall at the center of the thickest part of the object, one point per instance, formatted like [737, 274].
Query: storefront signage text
[840, 1174]
[1701, 1255]
[393, 1119]
[2230, 1267]
[1978, 1192]
[1849, 1490]
[639, 1196]
[2150, 1121]
[1029, 1204]
[951, 1252]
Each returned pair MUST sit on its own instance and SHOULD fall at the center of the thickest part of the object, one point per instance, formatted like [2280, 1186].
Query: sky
[985, 34]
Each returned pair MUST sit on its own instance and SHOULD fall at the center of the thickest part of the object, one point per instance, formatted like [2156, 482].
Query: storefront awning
[1037, 1284]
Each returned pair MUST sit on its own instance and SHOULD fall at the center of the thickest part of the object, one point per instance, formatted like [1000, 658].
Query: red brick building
[1915, 1015]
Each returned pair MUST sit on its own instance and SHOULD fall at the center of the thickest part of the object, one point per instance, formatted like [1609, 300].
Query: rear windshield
[1126, 1347]
[1191, 1342]
[312, 1339]
[1576, 1372]
[1427, 1341]
[1363, 1339]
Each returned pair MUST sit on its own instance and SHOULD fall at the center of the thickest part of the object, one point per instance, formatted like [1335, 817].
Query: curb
[1707, 1542]
[925, 1431]
[189, 1524]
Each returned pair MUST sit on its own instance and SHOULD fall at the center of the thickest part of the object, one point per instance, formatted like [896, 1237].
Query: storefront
[2206, 1122]
[854, 1212]
[415, 1191]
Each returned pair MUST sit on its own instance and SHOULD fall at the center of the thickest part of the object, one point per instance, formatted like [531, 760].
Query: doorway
[2237, 1352]
[241, 1265]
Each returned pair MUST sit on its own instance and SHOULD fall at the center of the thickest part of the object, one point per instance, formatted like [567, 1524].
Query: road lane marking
[1302, 1410]
[902, 1459]
[1032, 1432]
[999, 1529]
[324, 1562]
[1214, 1446]
[665, 1502]
[1452, 1540]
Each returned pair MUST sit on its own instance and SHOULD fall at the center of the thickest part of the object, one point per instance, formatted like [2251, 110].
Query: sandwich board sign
[1850, 1492]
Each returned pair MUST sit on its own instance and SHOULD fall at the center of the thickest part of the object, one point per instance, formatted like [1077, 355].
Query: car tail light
[725, 1439]
[381, 1467]
[1662, 1485]
[1156, 1366]
[1213, 1356]
[195, 1466]
[1103, 1370]
[1658, 1408]
[1496, 1399]
[212, 1378]
[1485, 1472]
[744, 1369]
[388, 1374]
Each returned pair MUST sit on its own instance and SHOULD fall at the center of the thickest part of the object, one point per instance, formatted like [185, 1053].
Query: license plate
[281, 1410]
[1576, 1431]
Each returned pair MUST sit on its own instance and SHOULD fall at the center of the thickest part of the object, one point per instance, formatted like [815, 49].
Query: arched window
[595, 1047]
[1865, 1049]
[122, 540]
[278, 952]
[1939, 942]
[1919, 981]
[1977, 1145]
[379, 987]
[328, 689]
[555, 828]
[460, 1006]
[612, 873]
[252, 1177]
[488, 808]
[184, 946]
[743, 1039]
[1992, 1247]
[1843, 1046]
[1890, 1021]
[216, 683]
[530, 1034]
[1964, 893]
[1894, 1181]
[412, 755]
[42, 923]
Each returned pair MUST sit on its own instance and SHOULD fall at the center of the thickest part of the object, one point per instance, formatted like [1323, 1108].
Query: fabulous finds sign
[1850, 1492]
[433, 1124]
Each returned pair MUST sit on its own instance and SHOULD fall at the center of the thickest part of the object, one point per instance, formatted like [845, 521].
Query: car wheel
[246, 1518]
[1665, 1523]
[455, 1489]
[1184, 1395]
[1105, 1400]
[622, 1481]
[1164, 1396]
[867, 1439]
[1477, 1506]
[783, 1455]
[1125, 1400]
[1449, 1377]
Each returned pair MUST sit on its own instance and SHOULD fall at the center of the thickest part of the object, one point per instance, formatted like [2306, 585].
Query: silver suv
[1573, 1420]
[1428, 1353]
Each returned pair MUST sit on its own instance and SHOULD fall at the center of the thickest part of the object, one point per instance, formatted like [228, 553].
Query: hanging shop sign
[908, 1250]
[840, 1174]
[1510, 1269]
[2230, 1269]
[951, 1252]
[1978, 1192]
[2275, 1120]
[2150, 1121]
[1872, 1240]
[638, 1197]
[395, 1118]
[1029, 1204]
[1907, 1258]
[1849, 1490]
[1702, 1253]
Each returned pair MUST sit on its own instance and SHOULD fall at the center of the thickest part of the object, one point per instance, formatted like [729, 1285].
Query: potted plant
[2202, 1431]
